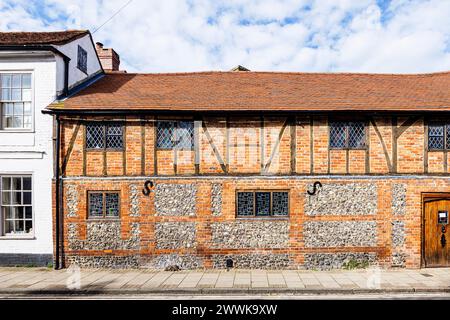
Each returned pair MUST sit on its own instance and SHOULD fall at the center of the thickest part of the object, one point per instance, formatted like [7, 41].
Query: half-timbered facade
[267, 170]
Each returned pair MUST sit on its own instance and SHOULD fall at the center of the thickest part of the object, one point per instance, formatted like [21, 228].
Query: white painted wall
[71, 50]
[32, 152]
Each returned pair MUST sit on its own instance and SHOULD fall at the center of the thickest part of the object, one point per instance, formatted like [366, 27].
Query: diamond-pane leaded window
[164, 132]
[103, 205]
[175, 135]
[95, 136]
[101, 136]
[185, 135]
[436, 137]
[262, 203]
[347, 135]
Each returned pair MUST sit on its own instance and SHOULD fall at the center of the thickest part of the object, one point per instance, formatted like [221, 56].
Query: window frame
[32, 102]
[83, 51]
[25, 236]
[445, 125]
[175, 126]
[104, 125]
[346, 121]
[270, 215]
[103, 193]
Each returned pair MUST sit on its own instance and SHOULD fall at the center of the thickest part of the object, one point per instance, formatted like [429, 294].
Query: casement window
[82, 59]
[262, 203]
[438, 136]
[16, 205]
[101, 136]
[175, 135]
[103, 204]
[15, 101]
[347, 135]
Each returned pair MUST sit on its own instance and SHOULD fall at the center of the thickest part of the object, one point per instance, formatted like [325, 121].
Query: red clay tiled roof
[40, 38]
[269, 91]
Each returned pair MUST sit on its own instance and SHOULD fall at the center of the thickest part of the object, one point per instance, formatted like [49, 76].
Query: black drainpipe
[57, 196]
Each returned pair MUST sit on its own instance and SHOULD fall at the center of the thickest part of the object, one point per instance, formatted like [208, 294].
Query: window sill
[11, 237]
[16, 131]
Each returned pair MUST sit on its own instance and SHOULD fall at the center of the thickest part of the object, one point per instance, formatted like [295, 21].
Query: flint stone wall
[340, 233]
[109, 262]
[175, 235]
[216, 199]
[398, 259]
[327, 261]
[398, 233]
[398, 198]
[343, 199]
[105, 235]
[252, 261]
[134, 201]
[184, 261]
[72, 201]
[175, 199]
[250, 234]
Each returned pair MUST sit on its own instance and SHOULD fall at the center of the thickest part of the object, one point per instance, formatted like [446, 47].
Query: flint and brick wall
[368, 209]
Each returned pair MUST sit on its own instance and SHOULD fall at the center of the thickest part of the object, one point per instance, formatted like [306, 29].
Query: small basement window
[82, 59]
[103, 204]
[262, 203]
[347, 135]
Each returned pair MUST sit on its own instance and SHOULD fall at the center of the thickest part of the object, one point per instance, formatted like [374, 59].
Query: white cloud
[286, 35]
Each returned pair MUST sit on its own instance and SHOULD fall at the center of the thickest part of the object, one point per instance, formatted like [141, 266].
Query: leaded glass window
[82, 59]
[262, 203]
[15, 101]
[175, 135]
[437, 135]
[347, 135]
[104, 136]
[16, 205]
[103, 205]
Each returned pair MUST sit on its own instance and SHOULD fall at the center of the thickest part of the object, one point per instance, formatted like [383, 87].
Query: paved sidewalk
[101, 281]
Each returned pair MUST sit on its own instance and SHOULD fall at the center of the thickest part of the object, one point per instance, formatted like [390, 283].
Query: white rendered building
[35, 69]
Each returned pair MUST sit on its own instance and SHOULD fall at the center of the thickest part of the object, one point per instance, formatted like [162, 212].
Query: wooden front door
[436, 233]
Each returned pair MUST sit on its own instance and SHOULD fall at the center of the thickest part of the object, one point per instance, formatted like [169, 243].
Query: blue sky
[389, 36]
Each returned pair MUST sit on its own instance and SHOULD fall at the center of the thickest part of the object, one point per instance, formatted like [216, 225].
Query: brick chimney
[109, 59]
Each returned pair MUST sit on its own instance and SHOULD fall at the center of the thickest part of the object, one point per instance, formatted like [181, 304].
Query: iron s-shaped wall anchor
[316, 187]
[147, 185]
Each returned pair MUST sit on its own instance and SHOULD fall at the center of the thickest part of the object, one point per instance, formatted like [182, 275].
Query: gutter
[58, 186]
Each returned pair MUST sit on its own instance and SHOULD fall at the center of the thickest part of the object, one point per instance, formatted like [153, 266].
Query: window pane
[27, 122]
[280, 202]
[6, 212]
[6, 95]
[6, 183]
[185, 135]
[165, 135]
[436, 130]
[28, 212]
[356, 135]
[436, 137]
[19, 226]
[8, 122]
[5, 81]
[27, 108]
[112, 204]
[245, 204]
[28, 226]
[26, 94]
[26, 81]
[9, 226]
[448, 136]
[17, 183]
[114, 137]
[8, 109]
[6, 198]
[16, 94]
[16, 198]
[96, 205]
[16, 83]
[27, 198]
[262, 203]
[17, 212]
[337, 135]
[26, 183]
[94, 136]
